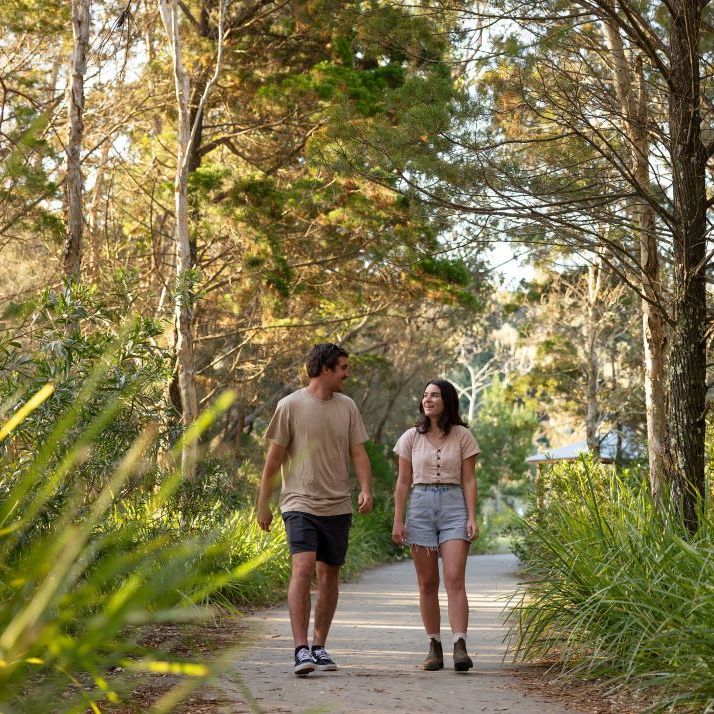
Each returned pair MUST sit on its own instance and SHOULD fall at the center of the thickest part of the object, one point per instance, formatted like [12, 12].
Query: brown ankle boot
[435, 659]
[462, 661]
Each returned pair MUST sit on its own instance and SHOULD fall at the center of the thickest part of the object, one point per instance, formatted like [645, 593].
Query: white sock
[436, 637]
[459, 636]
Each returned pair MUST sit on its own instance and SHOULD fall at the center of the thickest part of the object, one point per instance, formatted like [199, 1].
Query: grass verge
[617, 589]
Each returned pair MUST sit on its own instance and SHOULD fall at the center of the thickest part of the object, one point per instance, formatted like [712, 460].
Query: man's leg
[327, 594]
[299, 595]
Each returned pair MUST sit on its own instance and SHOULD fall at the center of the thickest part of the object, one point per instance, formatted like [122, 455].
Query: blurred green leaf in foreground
[74, 587]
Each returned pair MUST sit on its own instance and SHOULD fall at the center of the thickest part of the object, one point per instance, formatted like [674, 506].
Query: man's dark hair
[450, 416]
[323, 355]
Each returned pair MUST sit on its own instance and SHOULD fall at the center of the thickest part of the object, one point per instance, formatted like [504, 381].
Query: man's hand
[363, 472]
[365, 503]
[273, 461]
[264, 516]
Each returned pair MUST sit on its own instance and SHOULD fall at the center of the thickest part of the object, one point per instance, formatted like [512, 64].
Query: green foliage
[206, 178]
[73, 587]
[618, 588]
[383, 477]
[505, 432]
[452, 271]
[364, 89]
[495, 531]
[130, 369]
[27, 15]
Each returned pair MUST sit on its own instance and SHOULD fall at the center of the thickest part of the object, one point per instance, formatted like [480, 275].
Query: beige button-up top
[432, 465]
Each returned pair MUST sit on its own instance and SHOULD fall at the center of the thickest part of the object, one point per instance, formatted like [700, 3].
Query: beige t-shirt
[437, 465]
[318, 435]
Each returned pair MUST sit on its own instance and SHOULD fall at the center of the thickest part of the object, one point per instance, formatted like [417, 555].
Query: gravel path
[378, 642]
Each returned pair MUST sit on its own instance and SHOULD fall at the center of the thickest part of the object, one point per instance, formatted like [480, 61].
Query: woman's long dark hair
[449, 417]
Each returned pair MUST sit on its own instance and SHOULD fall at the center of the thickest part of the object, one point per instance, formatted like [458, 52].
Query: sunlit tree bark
[631, 89]
[75, 185]
[186, 131]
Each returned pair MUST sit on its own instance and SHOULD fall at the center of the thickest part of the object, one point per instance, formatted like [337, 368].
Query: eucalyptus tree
[81, 19]
[554, 145]
[284, 251]
[187, 129]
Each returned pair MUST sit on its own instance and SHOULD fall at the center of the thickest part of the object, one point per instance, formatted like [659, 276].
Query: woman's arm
[468, 481]
[401, 493]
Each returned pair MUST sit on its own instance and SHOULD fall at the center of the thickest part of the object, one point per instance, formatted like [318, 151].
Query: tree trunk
[478, 379]
[653, 324]
[73, 240]
[97, 193]
[592, 420]
[687, 373]
[472, 391]
[388, 408]
[196, 108]
[193, 163]
[654, 342]
[185, 363]
[634, 109]
[398, 388]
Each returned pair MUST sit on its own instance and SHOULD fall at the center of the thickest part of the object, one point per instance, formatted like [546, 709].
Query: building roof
[631, 449]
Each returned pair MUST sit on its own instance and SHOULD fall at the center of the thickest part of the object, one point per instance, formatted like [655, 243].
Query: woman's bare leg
[453, 561]
[426, 562]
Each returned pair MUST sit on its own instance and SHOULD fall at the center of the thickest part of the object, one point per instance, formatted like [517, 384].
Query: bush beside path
[378, 642]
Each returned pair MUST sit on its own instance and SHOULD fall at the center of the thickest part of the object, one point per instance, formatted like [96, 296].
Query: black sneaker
[304, 663]
[322, 660]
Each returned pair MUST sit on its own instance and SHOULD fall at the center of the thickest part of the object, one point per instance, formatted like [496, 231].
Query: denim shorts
[436, 513]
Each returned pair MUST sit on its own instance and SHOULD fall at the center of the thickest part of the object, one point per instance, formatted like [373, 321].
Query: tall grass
[77, 577]
[72, 583]
[618, 590]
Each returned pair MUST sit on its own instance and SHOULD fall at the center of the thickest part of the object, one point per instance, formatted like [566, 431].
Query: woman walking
[437, 460]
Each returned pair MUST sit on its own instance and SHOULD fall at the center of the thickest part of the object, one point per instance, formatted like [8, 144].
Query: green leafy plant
[73, 591]
[618, 588]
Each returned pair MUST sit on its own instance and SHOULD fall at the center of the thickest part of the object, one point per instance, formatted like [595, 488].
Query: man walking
[313, 434]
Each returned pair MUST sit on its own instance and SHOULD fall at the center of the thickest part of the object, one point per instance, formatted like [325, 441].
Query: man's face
[337, 377]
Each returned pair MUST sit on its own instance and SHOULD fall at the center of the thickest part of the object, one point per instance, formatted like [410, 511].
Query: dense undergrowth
[99, 536]
[618, 589]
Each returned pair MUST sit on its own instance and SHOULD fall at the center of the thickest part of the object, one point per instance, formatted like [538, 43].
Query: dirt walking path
[378, 643]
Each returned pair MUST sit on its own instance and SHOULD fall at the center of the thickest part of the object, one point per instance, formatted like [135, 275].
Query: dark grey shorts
[436, 514]
[327, 536]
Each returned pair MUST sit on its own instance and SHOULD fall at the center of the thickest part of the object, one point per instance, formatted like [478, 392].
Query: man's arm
[273, 461]
[363, 472]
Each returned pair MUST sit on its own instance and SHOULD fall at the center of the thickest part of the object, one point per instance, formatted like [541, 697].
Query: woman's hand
[399, 533]
[471, 529]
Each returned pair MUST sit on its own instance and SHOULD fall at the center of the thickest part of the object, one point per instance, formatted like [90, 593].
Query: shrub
[618, 589]
[71, 589]
[110, 373]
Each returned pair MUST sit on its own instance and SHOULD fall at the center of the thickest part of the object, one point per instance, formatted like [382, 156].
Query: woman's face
[432, 402]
